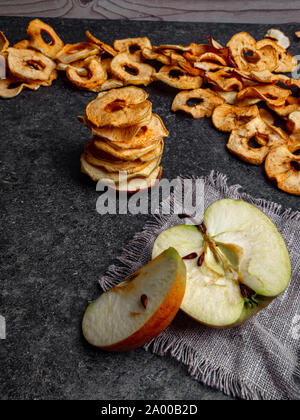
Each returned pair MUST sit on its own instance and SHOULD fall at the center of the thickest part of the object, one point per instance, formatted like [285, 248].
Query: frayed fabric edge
[202, 371]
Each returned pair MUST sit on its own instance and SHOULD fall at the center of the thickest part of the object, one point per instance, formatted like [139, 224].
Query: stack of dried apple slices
[128, 140]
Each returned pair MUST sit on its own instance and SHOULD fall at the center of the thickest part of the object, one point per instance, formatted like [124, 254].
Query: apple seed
[144, 300]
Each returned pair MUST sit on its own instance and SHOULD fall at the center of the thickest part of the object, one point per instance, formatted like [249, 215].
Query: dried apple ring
[227, 117]
[206, 102]
[75, 52]
[4, 43]
[283, 166]
[250, 56]
[35, 31]
[176, 77]
[124, 154]
[119, 108]
[266, 137]
[29, 65]
[96, 74]
[131, 71]
[132, 46]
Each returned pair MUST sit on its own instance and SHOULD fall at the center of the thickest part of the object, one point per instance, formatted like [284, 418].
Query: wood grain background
[253, 11]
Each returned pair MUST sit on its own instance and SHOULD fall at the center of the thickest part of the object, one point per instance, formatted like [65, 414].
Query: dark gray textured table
[54, 246]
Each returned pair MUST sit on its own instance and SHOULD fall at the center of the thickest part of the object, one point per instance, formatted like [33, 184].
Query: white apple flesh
[242, 263]
[138, 309]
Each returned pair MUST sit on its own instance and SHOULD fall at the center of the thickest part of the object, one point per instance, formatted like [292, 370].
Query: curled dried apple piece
[75, 52]
[199, 102]
[29, 65]
[149, 54]
[96, 75]
[283, 166]
[291, 104]
[104, 47]
[124, 67]
[10, 87]
[119, 108]
[178, 78]
[273, 95]
[278, 36]
[227, 117]
[35, 31]
[224, 80]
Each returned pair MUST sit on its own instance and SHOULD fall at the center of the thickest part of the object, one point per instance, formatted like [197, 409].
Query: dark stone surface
[54, 245]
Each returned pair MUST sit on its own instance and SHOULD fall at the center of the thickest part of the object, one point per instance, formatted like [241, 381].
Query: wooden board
[255, 11]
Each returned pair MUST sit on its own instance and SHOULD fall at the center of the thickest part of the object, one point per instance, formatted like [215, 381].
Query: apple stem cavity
[249, 296]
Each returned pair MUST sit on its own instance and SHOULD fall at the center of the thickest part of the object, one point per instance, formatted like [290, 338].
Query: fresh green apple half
[138, 309]
[237, 263]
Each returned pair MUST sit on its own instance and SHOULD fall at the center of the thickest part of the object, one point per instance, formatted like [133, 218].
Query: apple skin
[246, 315]
[161, 319]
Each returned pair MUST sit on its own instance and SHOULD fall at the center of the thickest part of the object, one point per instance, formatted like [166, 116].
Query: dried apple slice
[119, 108]
[100, 174]
[266, 136]
[176, 77]
[29, 65]
[283, 166]
[96, 74]
[132, 46]
[125, 68]
[35, 31]
[138, 309]
[75, 52]
[206, 102]
[107, 48]
[8, 88]
[227, 117]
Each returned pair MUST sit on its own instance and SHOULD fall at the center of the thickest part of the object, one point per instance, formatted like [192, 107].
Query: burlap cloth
[258, 360]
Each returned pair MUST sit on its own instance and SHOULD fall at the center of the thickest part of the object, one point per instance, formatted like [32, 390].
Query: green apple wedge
[237, 263]
[138, 309]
